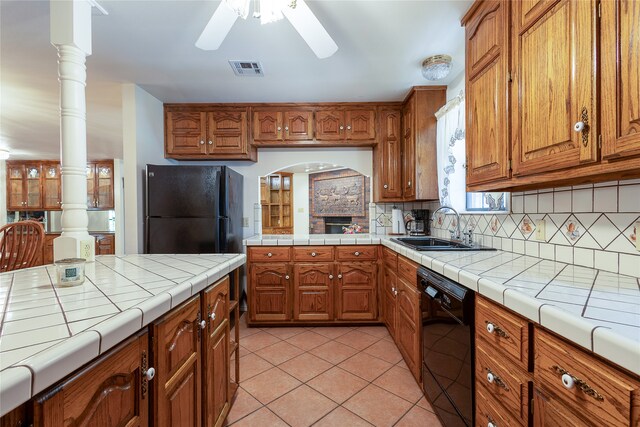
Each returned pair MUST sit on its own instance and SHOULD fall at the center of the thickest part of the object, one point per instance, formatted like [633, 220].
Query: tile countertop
[48, 332]
[595, 309]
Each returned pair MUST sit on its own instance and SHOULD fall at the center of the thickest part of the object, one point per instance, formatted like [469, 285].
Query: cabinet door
[185, 133]
[176, 351]
[550, 412]
[408, 327]
[329, 125]
[391, 152]
[356, 291]
[313, 291]
[112, 391]
[33, 186]
[216, 387]
[269, 292]
[105, 244]
[15, 187]
[298, 125]
[267, 126]
[104, 185]
[47, 248]
[360, 124]
[620, 65]
[389, 292]
[91, 186]
[52, 188]
[553, 85]
[487, 52]
[408, 151]
[227, 132]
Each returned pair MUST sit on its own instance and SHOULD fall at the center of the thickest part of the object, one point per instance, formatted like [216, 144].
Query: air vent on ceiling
[247, 68]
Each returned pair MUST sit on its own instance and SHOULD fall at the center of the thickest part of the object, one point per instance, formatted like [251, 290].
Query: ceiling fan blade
[217, 28]
[311, 30]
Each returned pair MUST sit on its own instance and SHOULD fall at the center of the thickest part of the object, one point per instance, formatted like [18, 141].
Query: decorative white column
[71, 35]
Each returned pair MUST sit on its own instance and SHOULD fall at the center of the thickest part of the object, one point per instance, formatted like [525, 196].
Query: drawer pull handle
[269, 254]
[149, 374]
[286, 277]
[331, 277]
[313, 254]
[356, 253]
[494, 379]
[339, 276]
[570, 381]
[491, 328]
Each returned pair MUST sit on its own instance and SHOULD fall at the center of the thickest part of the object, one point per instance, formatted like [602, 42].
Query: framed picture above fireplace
[338, 196]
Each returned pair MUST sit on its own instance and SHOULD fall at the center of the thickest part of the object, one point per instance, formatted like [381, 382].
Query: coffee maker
[419, 225]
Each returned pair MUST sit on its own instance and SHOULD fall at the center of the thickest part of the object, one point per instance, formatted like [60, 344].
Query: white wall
[143, 143]
[300, 202]
[118, 197]
[456, 85]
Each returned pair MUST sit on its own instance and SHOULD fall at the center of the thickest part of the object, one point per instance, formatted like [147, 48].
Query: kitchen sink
[436, 244]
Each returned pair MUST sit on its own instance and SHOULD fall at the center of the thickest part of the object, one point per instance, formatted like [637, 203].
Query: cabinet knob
[286, 128]
[356, 253]
[149, 374]
[339, 276]
[578, 127]
[279, 128]
[331, 277]
[493, 328]
[203, 324]
[490, 328]
[313, 254]
[286, 277]
[341, 127]
[385, 186]
[568, 382]
[393, 290]
[269, 254]
[490, 377]
[201, 142]
[348, 127]
[212, 316]
[490, 424]
[210, 142]
[409, 184]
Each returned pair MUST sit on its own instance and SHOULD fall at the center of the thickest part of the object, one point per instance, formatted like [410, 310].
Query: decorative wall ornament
[342, 196]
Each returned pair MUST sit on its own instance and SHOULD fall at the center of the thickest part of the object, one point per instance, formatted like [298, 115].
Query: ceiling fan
[296, 11]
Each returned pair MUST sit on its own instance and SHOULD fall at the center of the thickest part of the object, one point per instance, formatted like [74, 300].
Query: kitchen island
[48, 332]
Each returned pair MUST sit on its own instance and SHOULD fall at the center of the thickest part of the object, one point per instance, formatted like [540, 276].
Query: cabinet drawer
[270, 253]
[390, 258]
[313, 253]
[604, 394]
[408, 270]
[488, 410]
[356, 253]
[506, 332]
[507, 384]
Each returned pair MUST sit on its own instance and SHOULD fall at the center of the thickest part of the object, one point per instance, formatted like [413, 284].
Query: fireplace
[334, 224]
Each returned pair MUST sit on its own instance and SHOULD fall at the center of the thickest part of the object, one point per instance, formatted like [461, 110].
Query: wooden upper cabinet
[360, 124]
[620, 68]
[553, 85]
[176, 349]
[207, 132]
[52, 186]
[409, 151]
[112, 391]
[100, 185]
[487, 88]
[388, 155]
[24, 185]
[275, 126]
[185, 133]
[329, 125]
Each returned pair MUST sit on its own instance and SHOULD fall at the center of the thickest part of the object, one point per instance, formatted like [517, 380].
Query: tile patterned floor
[325, 376]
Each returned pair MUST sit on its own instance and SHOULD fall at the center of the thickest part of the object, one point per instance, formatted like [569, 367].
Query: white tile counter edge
[602, 341]
[23, 380]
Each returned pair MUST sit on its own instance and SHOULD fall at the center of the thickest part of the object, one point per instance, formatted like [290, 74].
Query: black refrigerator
[192, 209]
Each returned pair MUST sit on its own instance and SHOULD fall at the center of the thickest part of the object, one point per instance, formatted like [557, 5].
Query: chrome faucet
[455, 234]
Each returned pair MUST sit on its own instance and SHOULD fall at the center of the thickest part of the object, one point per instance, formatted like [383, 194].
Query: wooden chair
[20, 244]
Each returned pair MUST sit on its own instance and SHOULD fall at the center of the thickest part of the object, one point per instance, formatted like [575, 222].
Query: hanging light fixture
[436, 67]
[266, 10]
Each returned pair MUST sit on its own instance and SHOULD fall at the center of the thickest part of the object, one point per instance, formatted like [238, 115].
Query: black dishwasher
[448, 347]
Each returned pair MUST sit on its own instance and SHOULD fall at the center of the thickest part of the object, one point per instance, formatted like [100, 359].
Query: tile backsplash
[593, 225]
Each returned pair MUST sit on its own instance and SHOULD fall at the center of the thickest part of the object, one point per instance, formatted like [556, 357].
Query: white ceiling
[151, 43]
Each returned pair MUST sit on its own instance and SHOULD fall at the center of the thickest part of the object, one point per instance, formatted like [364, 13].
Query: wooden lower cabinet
[105, 244]
[357, 299]
[112, 391]
[215, 355]
[269, 288]
[389, 299]
[176, 357]
[313, 291]
[408, 326]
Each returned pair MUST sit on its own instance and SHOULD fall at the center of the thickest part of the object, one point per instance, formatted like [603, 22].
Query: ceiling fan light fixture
[436, 67]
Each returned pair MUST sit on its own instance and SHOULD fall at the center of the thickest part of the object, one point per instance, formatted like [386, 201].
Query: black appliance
[448, 348]
[193, 209]
[419, 225]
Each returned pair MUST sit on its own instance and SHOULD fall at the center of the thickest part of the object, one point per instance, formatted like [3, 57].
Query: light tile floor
[325, 376]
